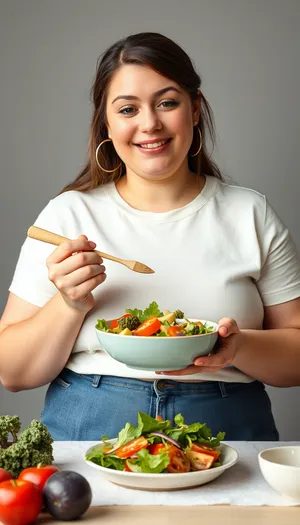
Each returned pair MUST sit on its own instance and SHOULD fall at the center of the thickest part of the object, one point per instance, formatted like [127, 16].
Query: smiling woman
[150, 191]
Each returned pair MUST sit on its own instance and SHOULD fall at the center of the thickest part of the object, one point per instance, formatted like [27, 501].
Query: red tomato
[199, 461]
[5, 475]
[174, 330]
[132, 447]
[148, 327]
[178, 460]
[159, 418]
[20, 502]
[204, 449]
[156, 448]
[114, 323]
[38, 475]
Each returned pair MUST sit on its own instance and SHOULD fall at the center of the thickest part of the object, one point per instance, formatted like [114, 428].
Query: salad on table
[153, 322]
[156, 446]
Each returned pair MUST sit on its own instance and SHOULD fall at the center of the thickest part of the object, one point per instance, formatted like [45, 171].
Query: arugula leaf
[143, 315]
[102, 325]
[148, 424]
[149, 463]
[128, 433]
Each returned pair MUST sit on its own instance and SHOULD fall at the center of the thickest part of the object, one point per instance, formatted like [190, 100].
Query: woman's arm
[273, 355]
[35, 343]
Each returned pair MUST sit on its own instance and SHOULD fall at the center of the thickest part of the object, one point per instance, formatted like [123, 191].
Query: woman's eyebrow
[156, 94]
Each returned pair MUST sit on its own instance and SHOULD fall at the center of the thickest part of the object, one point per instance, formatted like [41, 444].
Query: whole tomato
[20, 502]
[38, 475]
[5, 475]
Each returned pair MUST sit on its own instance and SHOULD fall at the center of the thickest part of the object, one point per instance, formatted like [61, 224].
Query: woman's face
[150, 121]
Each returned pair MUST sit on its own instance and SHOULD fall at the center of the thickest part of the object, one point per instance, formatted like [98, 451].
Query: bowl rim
[215, 331]
[168, 475]
[281, 465]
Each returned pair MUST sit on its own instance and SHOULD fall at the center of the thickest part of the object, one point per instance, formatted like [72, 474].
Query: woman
[150, 192]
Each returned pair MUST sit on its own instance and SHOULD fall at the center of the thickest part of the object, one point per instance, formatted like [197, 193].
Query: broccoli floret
[131, 322]
[32, 447]
[179, 314]
[194, 329]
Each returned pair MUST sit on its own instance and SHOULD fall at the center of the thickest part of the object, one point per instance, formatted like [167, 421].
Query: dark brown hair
[170, 60]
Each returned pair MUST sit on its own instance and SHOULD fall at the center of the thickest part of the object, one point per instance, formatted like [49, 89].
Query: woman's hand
[226, 349]
[75, 269]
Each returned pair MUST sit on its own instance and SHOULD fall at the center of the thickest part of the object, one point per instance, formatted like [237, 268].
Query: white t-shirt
[225, 254]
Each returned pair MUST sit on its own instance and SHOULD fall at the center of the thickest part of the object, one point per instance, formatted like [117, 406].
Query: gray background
[247, 52]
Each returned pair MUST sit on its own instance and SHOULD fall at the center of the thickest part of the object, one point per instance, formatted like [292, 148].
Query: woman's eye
[127, 111]
[169, 103]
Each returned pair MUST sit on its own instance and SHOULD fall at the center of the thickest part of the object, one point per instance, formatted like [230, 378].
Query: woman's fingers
[79, 276]
[227, 326]
[77, 293]
[66, 249]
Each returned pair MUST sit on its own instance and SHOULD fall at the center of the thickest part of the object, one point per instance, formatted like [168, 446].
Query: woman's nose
[149, 122]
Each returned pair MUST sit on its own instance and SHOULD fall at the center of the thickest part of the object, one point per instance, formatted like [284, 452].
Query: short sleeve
[279, 280]
[30, 280]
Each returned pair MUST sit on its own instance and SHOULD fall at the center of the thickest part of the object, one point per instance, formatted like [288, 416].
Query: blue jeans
[80, 407]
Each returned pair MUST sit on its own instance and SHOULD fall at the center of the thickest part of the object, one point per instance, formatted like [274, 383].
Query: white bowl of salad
[158, 455]
[156, 340]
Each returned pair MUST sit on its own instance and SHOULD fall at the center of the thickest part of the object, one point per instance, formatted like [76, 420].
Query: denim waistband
[161, 385]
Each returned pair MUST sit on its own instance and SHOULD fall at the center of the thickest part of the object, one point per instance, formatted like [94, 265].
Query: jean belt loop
[96, 381]
[223, 389]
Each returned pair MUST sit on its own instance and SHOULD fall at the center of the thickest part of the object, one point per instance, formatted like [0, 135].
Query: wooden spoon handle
[40, 234]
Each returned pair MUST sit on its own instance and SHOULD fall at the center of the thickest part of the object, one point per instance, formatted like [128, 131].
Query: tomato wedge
[204, 449]
[199, 461]
[132, 447]
[114, 323]
[156, 448]
[126, 467]
[148, 327]
[178, 460]
[174, 330]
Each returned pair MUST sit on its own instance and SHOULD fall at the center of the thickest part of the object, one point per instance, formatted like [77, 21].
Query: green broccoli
[179, 314]
[192, 329]
[31, 447]
[131, 322]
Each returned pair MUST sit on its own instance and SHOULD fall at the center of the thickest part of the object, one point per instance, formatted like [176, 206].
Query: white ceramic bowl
[159, 482]
[158, 353]
[280, 467]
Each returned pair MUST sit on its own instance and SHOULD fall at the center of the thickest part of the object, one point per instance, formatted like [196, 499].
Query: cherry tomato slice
[148, 327]
[199, 461]
[204, 449]
[174, 330]
[132, 447]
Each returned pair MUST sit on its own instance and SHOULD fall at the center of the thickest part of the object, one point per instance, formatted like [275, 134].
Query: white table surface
[241, 485]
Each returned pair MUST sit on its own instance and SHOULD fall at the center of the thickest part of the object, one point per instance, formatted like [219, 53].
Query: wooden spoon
[52, 238]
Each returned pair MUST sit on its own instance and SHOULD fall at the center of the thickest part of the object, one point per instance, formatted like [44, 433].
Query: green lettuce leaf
[148, 424]
[102, 325]
[143, 315]
[149, 463]
[128, 433]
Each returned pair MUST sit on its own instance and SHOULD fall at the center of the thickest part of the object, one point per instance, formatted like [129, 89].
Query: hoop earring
[200, 145]
[96, 155]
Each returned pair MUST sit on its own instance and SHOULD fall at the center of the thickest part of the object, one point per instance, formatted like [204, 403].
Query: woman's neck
[160, 196]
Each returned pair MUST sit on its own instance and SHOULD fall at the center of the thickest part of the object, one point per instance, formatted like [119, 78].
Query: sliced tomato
[204, 449]
[159, 418]
[198, 460]
[156, 448]
[179, 462]
[132, 447]
[148, 327]
[114, 323]
[174, 330]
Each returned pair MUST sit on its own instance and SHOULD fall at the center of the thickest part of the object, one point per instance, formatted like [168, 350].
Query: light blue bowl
[158, 353]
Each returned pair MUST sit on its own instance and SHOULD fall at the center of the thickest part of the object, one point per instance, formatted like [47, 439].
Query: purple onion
[167, 438]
